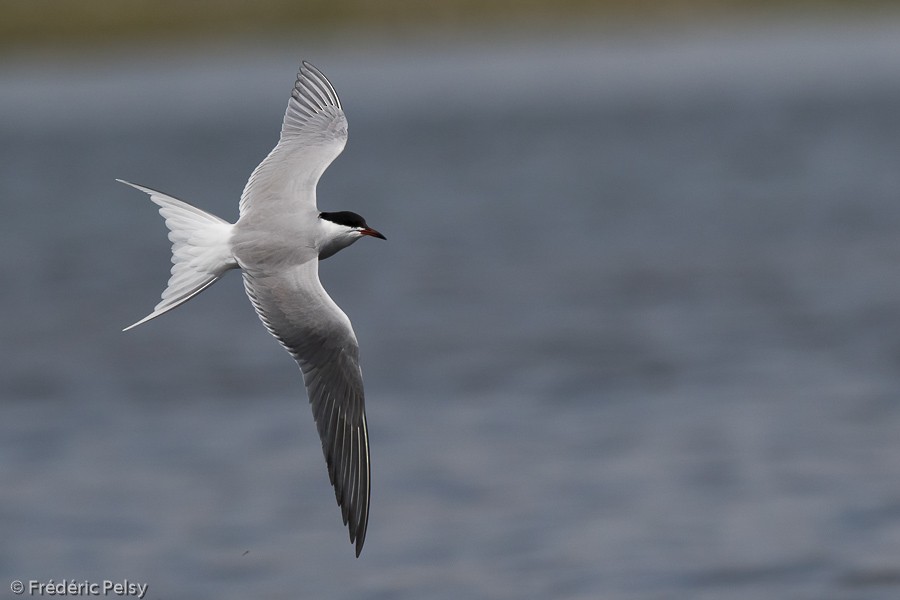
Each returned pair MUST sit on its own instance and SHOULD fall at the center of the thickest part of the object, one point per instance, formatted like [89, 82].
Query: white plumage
[277, 243]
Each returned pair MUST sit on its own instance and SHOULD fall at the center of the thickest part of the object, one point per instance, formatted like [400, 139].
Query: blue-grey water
[635, 332]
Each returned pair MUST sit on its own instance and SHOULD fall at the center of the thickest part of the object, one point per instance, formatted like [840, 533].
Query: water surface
[634, 333]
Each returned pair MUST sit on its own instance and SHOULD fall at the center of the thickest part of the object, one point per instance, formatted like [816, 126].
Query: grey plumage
[277, 243]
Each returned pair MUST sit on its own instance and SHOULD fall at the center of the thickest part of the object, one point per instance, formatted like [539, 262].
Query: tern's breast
[271, 245]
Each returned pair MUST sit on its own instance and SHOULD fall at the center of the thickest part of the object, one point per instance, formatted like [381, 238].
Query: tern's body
[277, 243]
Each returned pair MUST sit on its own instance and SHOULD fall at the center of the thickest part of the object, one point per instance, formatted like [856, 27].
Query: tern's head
[342, 229]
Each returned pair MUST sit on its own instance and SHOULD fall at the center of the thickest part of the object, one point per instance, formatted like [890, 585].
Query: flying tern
[277, 244]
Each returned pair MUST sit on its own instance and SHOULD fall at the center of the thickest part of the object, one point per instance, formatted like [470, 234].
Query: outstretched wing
[313, 134]
[297, 310]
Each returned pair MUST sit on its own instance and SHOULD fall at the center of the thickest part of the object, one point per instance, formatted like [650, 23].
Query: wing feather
[313, 134]
[295, 308]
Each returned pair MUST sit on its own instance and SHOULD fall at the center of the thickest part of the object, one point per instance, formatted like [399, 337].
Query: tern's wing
[313, 134]
[295, 308]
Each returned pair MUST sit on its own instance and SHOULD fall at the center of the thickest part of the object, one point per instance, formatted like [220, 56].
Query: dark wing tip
[338, 407]
[316, 80]
[357, 504]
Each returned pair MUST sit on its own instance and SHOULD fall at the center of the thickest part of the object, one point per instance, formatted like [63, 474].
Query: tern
[277, 243]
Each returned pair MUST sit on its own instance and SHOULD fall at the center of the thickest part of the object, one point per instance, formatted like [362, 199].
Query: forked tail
[201, 250]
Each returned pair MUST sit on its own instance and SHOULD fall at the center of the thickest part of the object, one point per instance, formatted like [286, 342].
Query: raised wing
[313, 134]
[295, 308]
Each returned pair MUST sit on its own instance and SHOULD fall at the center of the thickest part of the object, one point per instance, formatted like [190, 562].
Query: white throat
[334, 237]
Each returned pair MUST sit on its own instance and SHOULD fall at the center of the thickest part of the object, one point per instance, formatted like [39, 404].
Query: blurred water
[634, 333]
